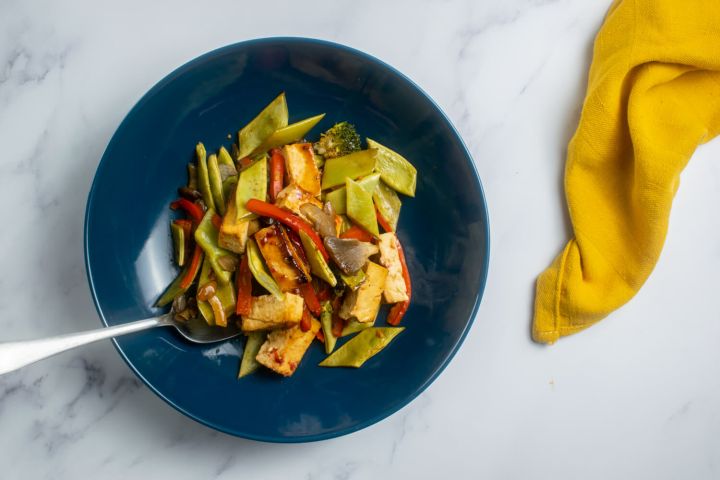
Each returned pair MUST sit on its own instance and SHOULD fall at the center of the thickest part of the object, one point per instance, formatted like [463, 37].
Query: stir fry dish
[294, 241]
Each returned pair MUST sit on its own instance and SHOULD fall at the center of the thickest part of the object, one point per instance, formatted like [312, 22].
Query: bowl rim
[484, 266]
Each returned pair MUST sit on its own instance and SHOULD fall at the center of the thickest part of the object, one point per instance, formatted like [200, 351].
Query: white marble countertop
[637, 396]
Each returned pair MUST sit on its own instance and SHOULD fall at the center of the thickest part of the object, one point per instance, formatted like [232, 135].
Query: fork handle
[15, 355]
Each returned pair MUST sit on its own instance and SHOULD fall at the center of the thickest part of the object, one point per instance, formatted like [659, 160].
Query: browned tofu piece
[234, 233]
[301, 167]
[395, 289]
[284, 349]
[363, 304]
[293, 197]
[268, 313]
[278, 259]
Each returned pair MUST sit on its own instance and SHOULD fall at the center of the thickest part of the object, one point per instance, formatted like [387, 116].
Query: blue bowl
[128, 248]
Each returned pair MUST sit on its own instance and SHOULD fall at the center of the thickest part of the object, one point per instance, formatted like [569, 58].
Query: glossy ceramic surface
[128, 249]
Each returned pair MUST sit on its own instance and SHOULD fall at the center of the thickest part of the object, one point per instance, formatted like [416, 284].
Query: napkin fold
[653, 96]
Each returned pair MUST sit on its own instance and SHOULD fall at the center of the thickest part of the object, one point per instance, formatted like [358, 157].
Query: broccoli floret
[341, 139]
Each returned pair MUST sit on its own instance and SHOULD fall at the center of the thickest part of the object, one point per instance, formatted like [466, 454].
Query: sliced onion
[349, 254]
[322, 222]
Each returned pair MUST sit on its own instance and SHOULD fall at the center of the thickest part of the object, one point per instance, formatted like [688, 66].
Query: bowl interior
[128, 249]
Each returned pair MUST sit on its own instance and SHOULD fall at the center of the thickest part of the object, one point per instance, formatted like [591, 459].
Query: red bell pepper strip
[243, 280]
[398, 310]
[306, 320]
[383, 223]
[357, 233]
[324, 292]
[217, 221]
[294, 222]
[245, 161]
[308, 293]
[192, 209]
[277, 173]
[193, 269]
[320, 336]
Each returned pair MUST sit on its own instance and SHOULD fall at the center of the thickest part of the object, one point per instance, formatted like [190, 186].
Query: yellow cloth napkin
[653, 96]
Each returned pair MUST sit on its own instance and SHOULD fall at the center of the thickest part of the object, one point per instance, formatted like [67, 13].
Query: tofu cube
[395, 289]
[301, 167]
[233, 233]
[293, 197]
[363, 304]
[272, 248]
[284, 349]
[268, 313]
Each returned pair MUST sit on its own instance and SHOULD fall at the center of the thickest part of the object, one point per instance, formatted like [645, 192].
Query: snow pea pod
[228, 186]
[360, 207]
[326, 321]
[353, 326]
[224, 157]
[318, 265]
[248, 364]
[216, 186]
[338, 198]
[388, 204]
[271, 118]
[290, 134]
[175, 289]
[355, 165]
[260, 271]
[178, 236]
[353, 281]
[394, 169]
[252, 183]
[203, 177]
[206, 235]
[363, 346]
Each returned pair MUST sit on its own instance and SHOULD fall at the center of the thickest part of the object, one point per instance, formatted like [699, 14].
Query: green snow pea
[355, 165]
[252, 183]
[353, 326]
[388, 204]
[260, 270]
[353, 281]
[338, 198]
[178, 236]
[228, 186]
[394, 169]
[271, 118]
[290, 134]
[203, 177]
[360, 207]
[175, 289]
[363, 346]
[318, 265]
[206, 235]
[326, 322]
[248, 364]
[216, 186]
[224, 157]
